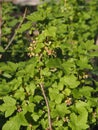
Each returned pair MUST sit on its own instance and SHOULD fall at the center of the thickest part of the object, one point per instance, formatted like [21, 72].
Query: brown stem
[47, 104]
[10, 42]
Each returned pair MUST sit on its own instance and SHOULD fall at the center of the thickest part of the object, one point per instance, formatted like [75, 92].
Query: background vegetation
[48, 68]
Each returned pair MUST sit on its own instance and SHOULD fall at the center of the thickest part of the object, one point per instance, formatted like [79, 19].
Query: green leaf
[29, 69]
[67, 91]
[70, 81]
[94, 54]
[58, 123]
[25, 27]
[4, 89]
[35, 116]
[69, 66]
[86, 91]
[84, 63]
[1, 49]
[48, 32]
[93, 101]
[12, 65]
[54, 63]
[37, 98]
[30, 107]
[8, 106]
[15, 122]
[20, 118]
[39, 46]
[11, 125]
[6, 75]
[61, 109]
[9, 67]
[62, 128]
[19, 94]
[78, 122]
[59, 98]
[37, 16]
[51, 31]
[53, 93]
[45, 72]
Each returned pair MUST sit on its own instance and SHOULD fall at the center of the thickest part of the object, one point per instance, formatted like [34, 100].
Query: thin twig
[47, 104]
[10, 42]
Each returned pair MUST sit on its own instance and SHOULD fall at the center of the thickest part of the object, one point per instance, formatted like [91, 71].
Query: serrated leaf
[4, 89]
[69, 66]
[59, 98]
[51, 31]
[53, 93]
[77, 122]
[81, 117]
[21, 119]
[8, 67]
[11, 125]
[54, 63]
[35, 116]
[61, 109]
[70, 81]
[10, 111]
[84, 63]
[15, 122]
[45, 72]
[19, 94]
[29, 69]
[8, 106]
[59, 123]
[36, 16]
[86, 91]
[37, 98]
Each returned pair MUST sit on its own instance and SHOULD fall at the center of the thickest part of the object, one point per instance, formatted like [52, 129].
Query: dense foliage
[48, 68]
